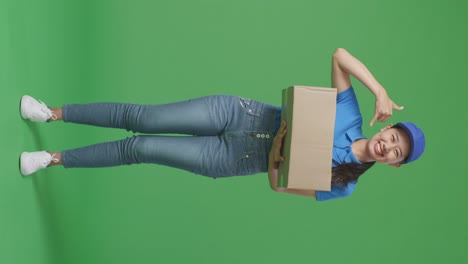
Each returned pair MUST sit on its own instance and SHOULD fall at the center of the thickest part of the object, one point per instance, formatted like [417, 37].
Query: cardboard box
[308, 145]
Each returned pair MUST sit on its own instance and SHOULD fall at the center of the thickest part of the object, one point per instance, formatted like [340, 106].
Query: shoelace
[48, 160]
[47, 111]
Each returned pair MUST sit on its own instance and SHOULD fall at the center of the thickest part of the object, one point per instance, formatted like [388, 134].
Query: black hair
[347, 172]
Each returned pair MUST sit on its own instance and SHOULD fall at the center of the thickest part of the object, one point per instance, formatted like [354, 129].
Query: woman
[232, 135]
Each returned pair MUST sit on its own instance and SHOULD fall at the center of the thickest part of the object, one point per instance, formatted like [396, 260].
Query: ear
[396, 165]
[386, 127]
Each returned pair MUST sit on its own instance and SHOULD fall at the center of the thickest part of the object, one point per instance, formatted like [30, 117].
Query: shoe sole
[20, 104]
[21, 108]
[21, 161]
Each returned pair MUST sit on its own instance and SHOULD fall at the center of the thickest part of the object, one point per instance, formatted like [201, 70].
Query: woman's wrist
[271, 161]
[380, 92]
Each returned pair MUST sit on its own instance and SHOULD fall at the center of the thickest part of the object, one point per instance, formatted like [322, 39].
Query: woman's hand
[278, 143]
[274, 157]
[344, 65]
[383, 107]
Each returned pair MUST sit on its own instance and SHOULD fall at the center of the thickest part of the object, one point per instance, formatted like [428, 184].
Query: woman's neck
[360, 151]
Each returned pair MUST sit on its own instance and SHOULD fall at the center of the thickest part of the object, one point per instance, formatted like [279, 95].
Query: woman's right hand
[276, 148]
[384, 107]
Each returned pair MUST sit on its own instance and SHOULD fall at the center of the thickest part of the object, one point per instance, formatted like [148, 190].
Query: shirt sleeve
[345, 94]
[337, 191]
[348, 114]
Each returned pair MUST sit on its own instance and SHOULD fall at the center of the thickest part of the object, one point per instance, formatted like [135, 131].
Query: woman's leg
[205, 155]
[203, 116]
[241, 150]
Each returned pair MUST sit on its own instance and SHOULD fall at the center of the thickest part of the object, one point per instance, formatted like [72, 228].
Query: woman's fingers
[283, 125]
[384, 109]
[283, 133]
[381, 117]
[397, 107]
[374, 119]
[282, 130]
[278, 141]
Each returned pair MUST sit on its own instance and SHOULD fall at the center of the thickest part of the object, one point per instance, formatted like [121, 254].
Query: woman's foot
[36, 111]
[31, 162]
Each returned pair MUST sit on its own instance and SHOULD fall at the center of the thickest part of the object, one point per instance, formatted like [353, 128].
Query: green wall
[165, 51]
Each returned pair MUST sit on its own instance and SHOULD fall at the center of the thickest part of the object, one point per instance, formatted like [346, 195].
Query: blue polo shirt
[348, 123]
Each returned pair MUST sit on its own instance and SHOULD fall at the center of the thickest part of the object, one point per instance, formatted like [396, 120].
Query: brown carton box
[307, 147]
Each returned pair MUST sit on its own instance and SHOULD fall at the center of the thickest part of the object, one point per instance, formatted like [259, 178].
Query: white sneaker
[35, 110]
[34, 161]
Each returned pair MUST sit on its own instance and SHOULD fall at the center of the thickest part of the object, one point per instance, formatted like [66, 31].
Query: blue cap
[417, 140]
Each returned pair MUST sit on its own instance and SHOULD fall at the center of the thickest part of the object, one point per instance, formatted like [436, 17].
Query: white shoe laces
[47, 111]
[48, 160]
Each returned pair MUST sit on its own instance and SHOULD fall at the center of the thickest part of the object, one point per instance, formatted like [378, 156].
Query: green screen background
[166, 51]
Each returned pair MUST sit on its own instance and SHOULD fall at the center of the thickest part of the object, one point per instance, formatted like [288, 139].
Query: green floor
[164, 51]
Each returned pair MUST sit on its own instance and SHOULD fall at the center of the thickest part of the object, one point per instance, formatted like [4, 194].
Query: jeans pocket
[249, 164]
[247, 105]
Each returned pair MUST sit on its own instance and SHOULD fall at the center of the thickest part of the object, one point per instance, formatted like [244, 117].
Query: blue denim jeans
[224, 135]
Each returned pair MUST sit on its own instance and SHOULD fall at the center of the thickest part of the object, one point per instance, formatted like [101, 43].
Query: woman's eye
[393, 138]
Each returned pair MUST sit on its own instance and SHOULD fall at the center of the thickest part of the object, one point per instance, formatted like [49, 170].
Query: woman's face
[390, 146]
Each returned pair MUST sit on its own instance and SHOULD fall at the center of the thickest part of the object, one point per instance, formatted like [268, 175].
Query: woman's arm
[274, 159]
[345, 64]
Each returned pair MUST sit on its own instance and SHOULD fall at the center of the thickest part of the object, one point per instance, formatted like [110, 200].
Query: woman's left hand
[383, 108]
[276, 148]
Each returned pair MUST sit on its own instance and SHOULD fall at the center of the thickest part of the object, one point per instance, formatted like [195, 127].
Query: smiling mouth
[378, 148]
